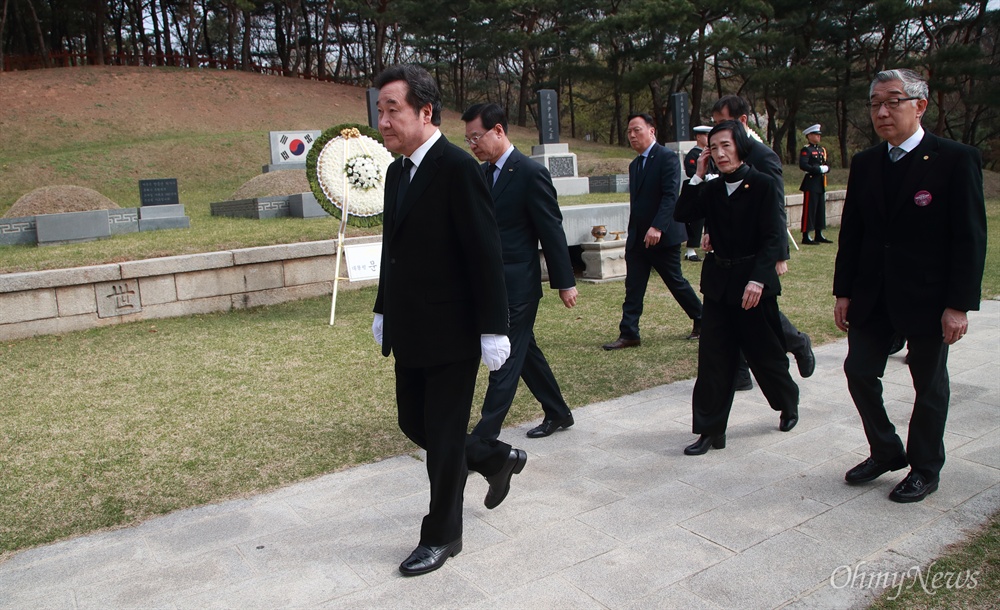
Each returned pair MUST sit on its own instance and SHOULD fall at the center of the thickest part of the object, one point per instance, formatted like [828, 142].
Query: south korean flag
[293, 147]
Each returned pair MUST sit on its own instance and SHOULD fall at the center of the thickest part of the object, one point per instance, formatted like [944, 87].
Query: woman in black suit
[742, 209]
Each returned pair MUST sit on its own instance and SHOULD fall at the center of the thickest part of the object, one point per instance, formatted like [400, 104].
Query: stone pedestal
[604, 260]
[304, 205]
[562, 165]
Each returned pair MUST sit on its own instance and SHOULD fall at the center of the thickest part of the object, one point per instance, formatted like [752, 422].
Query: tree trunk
[191, 47]
[168, 48]
[246, 62]
[156, 33]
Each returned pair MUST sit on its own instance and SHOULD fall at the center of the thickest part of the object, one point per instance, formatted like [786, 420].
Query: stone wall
[64, 300]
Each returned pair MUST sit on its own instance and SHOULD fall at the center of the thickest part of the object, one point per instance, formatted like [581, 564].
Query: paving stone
[754, 518]
[647, 565]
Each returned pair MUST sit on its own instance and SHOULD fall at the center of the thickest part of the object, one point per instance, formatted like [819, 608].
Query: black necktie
[491, 170]
[404, 183]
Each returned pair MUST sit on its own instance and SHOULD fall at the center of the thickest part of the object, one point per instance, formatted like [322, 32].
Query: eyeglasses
[475, 138]
[891, 104]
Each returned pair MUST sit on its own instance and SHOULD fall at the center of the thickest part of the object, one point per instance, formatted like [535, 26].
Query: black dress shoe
[500, 482]
[788, 420]
[549, 426]
[898, 342]
[822, 240]
[694, 258]
[621, 342]
[806, 359]
[913, 488]
[695, 331]
[704, 442]
[869, 470]
[744, 384]
[807, 241]
[426, 559]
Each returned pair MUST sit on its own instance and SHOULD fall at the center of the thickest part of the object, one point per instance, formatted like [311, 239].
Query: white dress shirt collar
[503, 158]
[911, 142]
[418, 155]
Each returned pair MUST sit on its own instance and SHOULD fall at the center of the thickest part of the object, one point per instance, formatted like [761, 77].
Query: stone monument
[553, 155]
[680, 110]
[371, 98]
[289, 149]
[160, 206]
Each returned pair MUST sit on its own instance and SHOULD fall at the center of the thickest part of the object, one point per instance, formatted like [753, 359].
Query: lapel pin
[926, 157]
[746, 186]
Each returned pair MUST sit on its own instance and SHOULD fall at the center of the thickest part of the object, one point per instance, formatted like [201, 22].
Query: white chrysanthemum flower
[351, 171]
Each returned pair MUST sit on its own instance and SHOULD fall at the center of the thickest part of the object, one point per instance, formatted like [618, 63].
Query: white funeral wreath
[351, 171]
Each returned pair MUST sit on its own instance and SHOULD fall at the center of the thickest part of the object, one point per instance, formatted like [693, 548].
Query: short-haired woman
[742, 212]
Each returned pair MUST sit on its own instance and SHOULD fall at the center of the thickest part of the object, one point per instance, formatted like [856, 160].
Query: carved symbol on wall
[118, 299]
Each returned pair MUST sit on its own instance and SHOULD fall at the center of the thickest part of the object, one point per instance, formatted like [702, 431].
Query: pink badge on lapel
[922, 198]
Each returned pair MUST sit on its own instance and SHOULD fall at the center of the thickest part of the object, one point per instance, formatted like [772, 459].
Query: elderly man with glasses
[913, 190]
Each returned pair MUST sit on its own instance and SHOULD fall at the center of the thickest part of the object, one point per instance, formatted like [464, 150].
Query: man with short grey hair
[912, 190]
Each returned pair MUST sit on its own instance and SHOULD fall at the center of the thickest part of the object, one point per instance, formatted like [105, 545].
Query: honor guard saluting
[812, 160]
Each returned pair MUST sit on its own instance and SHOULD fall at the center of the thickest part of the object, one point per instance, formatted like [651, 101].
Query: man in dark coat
[914, 190]
[812, 160]
[527, 213]
[441, 302]
[694, 229]
[654, 237]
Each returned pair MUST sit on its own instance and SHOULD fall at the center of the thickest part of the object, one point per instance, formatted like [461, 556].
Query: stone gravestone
[289, 149]
[371, 96]
[682, 116]
[555, 156]
[548, 117]
[681, 112]
[159, 191]
[160, 206]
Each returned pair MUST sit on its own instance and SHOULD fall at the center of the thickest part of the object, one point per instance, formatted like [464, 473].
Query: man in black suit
[527, 213]
[441, 302]
[914, 190]
[766, 161]
[654, 237]
[694, 229]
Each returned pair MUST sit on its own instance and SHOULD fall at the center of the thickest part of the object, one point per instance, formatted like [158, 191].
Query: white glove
[496, 349]
[377, 328]
[824, 168]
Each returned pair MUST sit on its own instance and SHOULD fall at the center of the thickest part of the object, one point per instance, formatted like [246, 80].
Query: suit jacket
[441, 282]
[527, 213]
[925, 250]
[811, 157]
[745, 225]
[767, 162]
[653, 195]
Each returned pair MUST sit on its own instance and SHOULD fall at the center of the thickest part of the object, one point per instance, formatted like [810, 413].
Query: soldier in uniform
[690, 166]
[812, 160]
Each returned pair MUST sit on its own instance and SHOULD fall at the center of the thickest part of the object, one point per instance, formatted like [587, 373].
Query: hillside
[107, 127]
